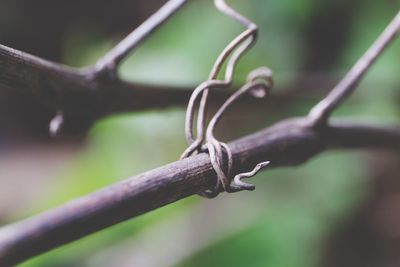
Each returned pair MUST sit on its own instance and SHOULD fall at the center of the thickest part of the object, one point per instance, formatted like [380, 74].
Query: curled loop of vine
[259, 83]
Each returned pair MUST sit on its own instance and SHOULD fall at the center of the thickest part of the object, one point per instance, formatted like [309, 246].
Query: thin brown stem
[321, 112]
[111, 60]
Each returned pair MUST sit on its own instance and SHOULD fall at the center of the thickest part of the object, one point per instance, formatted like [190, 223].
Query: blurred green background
[292, 217]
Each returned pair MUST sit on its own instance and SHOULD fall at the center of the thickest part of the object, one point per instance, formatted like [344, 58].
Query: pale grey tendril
[323, 110]
[259, 82]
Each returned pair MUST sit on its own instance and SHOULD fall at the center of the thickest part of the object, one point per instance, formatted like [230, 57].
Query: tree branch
[82, 95]
[51, 82]
[112, 59]
[320, 113]
[288, 143]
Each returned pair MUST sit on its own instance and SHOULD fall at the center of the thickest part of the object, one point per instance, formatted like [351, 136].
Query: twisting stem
[232, 53]
[206, 140]
[321, 112]
[111, 60]
[259, 83]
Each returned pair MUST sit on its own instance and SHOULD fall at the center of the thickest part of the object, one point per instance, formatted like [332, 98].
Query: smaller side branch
[288, 143]
[321, 112]
[112, 59]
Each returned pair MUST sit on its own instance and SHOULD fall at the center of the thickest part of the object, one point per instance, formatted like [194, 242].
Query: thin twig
[288, 143]
[111, 60]
[321, 112]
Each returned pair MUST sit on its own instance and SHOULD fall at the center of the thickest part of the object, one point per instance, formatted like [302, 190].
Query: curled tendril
[231, 54]
[240, 185]
[259, 82]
